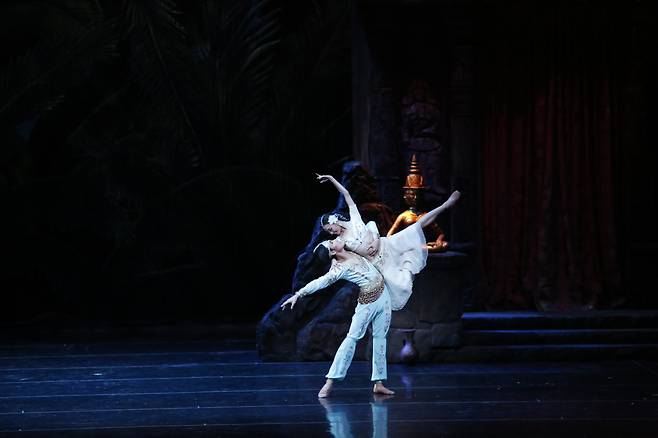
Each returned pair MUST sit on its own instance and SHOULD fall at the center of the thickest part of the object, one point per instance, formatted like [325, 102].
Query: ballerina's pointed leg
[430, 217]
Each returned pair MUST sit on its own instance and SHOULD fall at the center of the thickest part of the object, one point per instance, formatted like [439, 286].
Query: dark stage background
[157, 157]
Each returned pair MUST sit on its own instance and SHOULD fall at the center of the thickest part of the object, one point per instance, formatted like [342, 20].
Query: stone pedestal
[434, 310]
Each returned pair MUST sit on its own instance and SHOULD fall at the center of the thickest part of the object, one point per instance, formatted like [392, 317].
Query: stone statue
[420, 135]
[412, 190]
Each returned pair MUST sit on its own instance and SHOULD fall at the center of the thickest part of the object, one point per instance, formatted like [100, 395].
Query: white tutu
[400, 256]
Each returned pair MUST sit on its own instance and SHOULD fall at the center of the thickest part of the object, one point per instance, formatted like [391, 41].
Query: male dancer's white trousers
[377, 312]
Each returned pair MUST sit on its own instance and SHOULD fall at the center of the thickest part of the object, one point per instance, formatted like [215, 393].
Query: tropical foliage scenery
[158, 156]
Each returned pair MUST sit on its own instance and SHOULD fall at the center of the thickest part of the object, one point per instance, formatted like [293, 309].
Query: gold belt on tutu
[371, 293]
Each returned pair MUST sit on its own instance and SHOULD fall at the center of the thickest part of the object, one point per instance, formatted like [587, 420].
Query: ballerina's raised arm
[355, 216]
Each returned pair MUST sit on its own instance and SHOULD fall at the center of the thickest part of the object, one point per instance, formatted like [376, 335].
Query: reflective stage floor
[220, 388]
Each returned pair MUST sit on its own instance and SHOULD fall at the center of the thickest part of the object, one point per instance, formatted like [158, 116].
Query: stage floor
[220, 388]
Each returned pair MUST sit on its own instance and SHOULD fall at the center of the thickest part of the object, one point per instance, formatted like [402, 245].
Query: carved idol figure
[420, 135]
[412, 191]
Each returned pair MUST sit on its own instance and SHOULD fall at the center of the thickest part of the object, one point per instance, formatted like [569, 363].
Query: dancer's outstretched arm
[430, 217]
[355, 216]
[335, 273]
[343, 191]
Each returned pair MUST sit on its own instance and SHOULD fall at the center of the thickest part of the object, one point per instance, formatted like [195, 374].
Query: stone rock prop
[434, 310]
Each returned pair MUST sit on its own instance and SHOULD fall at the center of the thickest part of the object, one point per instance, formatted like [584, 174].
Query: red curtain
[551, 135]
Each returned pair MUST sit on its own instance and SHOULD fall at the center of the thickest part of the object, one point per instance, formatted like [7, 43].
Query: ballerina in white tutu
[398, 257]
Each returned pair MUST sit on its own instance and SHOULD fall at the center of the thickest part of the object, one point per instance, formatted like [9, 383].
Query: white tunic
[357, 269]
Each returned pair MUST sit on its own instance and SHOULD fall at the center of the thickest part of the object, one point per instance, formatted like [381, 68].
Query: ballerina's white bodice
[357, 235]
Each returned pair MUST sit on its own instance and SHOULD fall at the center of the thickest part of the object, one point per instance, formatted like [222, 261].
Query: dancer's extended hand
[325, 178]
[292, 300]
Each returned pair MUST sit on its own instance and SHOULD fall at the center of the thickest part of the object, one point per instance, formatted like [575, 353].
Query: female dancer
[374, 306]
[398, 257]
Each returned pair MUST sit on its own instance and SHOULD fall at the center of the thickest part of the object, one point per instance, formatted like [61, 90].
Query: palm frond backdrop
[157, 156]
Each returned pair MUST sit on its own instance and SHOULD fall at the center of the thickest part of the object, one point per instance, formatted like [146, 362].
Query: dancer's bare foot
[326, 389]
[379, 398]
[430, 217]
[454, 197]
[379, 388]
[326, 403]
